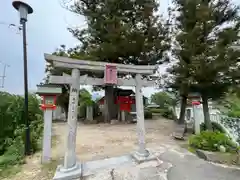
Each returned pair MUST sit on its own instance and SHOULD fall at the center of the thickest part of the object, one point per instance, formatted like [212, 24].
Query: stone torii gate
[71, 168]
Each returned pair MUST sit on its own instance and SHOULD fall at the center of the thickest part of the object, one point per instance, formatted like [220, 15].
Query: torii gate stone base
[73, 168]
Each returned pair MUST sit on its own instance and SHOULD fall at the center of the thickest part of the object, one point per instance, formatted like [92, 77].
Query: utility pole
[4, 73]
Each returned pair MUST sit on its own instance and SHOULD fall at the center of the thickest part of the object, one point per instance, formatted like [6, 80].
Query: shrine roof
[50, 85]
[123, 92]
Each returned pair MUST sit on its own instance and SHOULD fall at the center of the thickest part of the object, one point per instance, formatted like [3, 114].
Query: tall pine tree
[182, 15]
[208, 30]
[127, 32]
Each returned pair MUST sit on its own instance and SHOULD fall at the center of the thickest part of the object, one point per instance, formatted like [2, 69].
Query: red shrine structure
[125, 99]
[125, 102]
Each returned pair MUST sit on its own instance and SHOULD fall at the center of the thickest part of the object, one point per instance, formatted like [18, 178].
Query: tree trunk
[108, 104]
[206, 113]
[66, 112]
[181, 119]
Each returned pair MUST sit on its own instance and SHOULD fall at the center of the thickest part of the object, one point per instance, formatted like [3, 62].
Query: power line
[12, 25]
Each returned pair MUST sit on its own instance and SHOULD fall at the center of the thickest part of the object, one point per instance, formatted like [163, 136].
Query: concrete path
[173, 163]
[190, 167]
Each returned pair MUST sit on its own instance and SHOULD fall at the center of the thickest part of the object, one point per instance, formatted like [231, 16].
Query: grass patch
[8, 172]
[228, 158]
[54, 140]
[191, 149]
[48, 170]
[51, 165]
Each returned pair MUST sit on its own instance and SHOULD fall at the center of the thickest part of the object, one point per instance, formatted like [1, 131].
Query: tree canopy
[206, 62]
[163, 99]
[126, 32]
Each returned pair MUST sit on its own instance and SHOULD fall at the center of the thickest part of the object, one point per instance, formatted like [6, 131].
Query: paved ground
[189, 167]
[174, 163]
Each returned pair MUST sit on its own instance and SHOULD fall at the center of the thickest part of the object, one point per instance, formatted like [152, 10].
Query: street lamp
[24, 9]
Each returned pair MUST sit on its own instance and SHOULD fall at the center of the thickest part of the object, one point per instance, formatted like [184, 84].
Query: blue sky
[46, 30]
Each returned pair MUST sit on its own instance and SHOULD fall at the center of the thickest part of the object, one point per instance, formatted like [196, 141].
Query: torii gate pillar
[71, 168]
[142, 154]
[140, 117]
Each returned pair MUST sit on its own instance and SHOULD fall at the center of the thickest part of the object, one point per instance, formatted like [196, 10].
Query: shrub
[147, 114]
[155, 110]
[234, 113]
[36, 130]
[12, 121]
[14, 151]
[168, 113]
[210, 141]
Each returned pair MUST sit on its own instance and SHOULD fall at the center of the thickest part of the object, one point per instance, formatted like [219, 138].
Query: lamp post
[24, 9]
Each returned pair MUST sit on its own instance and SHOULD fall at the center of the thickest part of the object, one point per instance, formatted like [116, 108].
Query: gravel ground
[97, 141]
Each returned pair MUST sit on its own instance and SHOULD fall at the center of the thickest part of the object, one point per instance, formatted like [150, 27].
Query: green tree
[163, 99]
[179, 78]
[122, 31]
[127, 32]
[230, 104]
[179, 83]
[206, 61]
[215, 61]
[85, 99]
